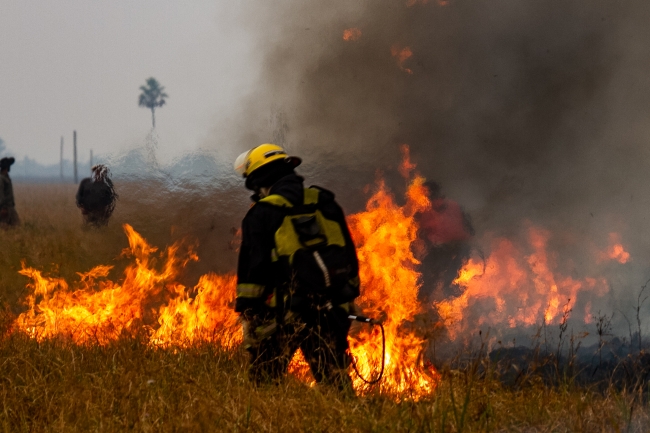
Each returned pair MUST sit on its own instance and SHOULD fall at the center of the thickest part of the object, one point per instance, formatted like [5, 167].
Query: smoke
[525, 112]
[509, 103]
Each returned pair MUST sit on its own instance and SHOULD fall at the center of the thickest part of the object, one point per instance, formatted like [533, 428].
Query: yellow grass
[59, 387]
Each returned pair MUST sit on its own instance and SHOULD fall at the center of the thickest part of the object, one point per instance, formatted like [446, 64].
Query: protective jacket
[6, 192]
[94, 196]
[258, 274]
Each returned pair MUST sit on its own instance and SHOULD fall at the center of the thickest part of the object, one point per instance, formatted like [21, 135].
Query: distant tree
[153, 95]
[2, 145]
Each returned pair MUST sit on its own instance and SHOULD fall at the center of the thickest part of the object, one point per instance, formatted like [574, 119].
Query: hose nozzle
[364, 319]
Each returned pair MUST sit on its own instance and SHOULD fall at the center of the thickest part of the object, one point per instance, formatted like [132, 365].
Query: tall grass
[57, 386]
[61, 387]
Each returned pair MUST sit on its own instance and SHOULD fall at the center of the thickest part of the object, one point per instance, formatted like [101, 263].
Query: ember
[402, 55]
[351, 34]
[615, 251]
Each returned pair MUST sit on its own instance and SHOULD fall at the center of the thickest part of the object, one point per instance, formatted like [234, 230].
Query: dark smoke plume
[528, 105]
[522, 110]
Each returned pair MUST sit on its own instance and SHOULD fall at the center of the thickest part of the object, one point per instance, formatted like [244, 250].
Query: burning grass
[126, 382]
[149, 299]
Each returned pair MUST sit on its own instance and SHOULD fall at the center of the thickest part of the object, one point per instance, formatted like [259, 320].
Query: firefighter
[8, 214]
[297, 273]
[96, 197]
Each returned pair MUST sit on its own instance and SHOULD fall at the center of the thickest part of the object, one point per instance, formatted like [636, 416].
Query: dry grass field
[56, 386]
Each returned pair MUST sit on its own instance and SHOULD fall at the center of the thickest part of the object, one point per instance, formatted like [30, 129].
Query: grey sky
[78, 64]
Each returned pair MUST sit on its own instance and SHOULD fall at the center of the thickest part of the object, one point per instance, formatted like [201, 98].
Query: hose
[383, 349]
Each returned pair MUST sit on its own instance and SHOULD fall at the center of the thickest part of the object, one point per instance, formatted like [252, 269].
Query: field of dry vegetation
[58, 386]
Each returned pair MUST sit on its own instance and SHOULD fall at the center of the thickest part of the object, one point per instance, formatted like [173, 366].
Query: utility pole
[61, 159]
[91, 160]
[74, 145]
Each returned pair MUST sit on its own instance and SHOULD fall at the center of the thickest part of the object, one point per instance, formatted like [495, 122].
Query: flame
[406, 166]
[402, 55]
[384, 234]
[207, 317]
[99, 311]
[351, 34]
[615, 251]
[96, 310]
[515, 285]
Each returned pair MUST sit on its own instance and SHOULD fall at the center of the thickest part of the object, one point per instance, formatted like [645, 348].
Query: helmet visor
[241, 163]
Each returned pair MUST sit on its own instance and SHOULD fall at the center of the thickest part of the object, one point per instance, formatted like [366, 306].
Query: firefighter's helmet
[259, 156]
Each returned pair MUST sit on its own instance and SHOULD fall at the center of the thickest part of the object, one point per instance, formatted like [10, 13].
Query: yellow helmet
[259, 156]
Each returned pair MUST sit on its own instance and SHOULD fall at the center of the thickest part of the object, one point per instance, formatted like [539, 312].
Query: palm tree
[153, 95]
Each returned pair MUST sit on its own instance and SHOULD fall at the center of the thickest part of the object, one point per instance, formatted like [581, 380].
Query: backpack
[311, 251]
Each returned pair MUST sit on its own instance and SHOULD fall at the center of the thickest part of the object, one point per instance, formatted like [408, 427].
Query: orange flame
[100, 311]
[207, 317]
[406, 167]
[517, 286]
[384, 234]
[351, 34]
[402, 55]
[615, 251]
[96, 310]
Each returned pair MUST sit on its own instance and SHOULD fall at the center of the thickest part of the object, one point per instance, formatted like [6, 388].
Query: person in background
[96, 197]
[8, 214]
[447, 231]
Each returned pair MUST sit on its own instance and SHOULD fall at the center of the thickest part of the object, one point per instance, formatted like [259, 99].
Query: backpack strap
[276, 200]
[311, 196]
[310, 201]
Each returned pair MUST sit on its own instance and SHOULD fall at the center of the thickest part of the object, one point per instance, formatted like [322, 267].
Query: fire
[148, 301]
[206, 317]
[402, 55]
[406, 166]
[97, 310]
[384, 234]
[515, 286]
[351, 34]
[518, 283]
[615, 251]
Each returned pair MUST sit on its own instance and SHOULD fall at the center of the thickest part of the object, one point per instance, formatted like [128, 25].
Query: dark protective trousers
[9, 217]
[322, 338]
